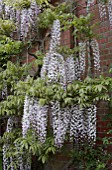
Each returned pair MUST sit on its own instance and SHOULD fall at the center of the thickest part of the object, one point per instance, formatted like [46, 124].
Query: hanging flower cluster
[83, 46]
[4, 91]
[24, 19]
[26, 117]
[7, 161]
[72, 69]
[89, 4]
[110, 11]
[96, 54]
[82, 56]
[66, 71]
[11, 124]
[102, 10]
[63, 71]
[91, 123]
[60, 122]
[83, 124]
[35, 118]
[76, 124]
[79, 123]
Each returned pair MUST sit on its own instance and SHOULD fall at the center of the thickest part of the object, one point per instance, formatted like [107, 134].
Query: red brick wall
[104, 37]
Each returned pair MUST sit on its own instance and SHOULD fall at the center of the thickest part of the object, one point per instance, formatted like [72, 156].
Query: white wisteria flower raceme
[96, 54]
[55, 36]
[60, 122]
[7, 161]
[83, 124]
[82, 56]
[54, 68]
[89, 4]
[35, 118]
[110, 11]
[11, 124]
[70, 69]
[91, 126]
[76, 124]
[26, 116]
[24, 19]
[102, 10]
[38, 120]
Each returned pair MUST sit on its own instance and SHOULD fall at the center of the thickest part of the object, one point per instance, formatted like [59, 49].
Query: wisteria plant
[43, 111]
